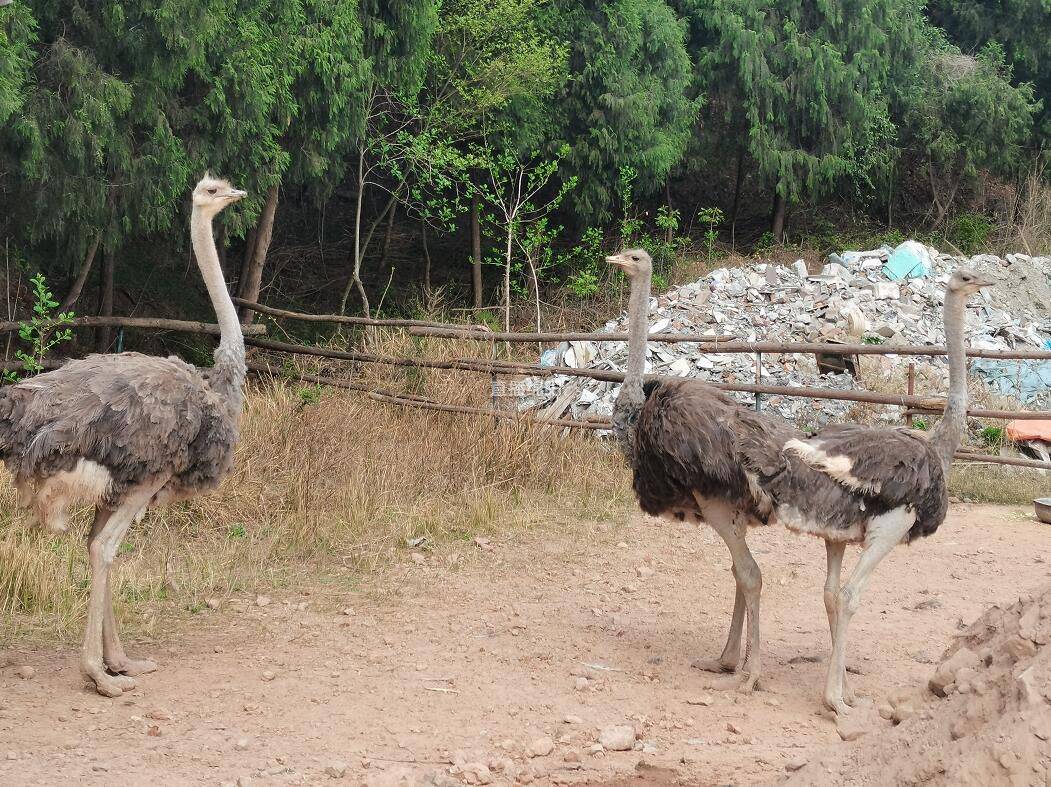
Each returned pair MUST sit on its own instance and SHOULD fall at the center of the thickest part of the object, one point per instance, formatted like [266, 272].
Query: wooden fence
[910, 403]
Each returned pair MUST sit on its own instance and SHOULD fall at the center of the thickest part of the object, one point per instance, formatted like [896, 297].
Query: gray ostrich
[125, 432]
[696, 453]
[877, 487]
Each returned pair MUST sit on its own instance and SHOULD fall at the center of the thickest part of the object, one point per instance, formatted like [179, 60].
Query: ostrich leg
[749, 583]
[834, 560]
[113, 654]
[101, 552]
[883, 534]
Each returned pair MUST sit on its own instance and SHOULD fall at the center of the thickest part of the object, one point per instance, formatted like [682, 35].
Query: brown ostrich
[125, 432]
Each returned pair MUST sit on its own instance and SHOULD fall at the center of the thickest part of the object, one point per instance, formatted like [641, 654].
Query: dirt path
[479, 656]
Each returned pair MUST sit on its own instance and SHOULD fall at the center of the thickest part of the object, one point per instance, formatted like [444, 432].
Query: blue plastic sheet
[910, 260]
[1026, 381]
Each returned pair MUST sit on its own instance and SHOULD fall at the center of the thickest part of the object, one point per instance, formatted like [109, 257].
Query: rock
[581, 684]
[212, 603]
[619, 737]
[945, 675]
[596, 748]
[795, 764]
[336, 770]
[851, 726]
[262, 601]
[569, 718]
[159, 714]
[731, 727]
[268, 675]
[241, 744]
[571, 756]
[704, 699]
[244, 781]
[418, 559]
[643, 572]
[25, 672]
[541, 747]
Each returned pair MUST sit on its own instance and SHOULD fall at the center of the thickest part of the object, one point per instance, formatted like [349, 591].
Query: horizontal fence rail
[930, 404]
[144, 323]
[716, 345]
[340, 319]
[420, 402]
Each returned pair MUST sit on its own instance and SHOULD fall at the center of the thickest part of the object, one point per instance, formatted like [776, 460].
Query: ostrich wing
[137, 415]
[885, 468]
[691, 437]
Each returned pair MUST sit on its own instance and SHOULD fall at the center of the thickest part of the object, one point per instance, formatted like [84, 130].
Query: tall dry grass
[327, 483]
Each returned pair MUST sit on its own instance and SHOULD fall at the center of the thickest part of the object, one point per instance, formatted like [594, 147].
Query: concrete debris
[859, 296]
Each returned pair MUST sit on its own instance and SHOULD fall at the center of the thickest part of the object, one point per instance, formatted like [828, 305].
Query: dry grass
[1027, 217]
[326, 483]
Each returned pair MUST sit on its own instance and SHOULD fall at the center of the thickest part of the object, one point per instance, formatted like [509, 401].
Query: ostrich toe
[713, 665]
[111, 685]
[133, 667]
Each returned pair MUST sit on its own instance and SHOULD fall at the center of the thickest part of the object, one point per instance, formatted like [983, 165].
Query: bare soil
[474, 653]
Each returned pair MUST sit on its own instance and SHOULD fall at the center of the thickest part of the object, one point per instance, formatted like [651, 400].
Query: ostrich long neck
[631, 397]
[230, 355]
[949, 431]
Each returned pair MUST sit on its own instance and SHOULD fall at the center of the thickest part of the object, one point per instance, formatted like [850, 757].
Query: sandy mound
[983, 719]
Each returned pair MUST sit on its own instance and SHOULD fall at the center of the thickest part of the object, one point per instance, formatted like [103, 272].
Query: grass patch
[331, 485]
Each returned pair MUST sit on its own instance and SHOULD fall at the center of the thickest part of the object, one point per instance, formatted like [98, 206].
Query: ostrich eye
[635, 258]
[211, 191]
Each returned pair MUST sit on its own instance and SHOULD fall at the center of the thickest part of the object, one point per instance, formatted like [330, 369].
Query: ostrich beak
[619, 261]
[985, 282]
[235, 194]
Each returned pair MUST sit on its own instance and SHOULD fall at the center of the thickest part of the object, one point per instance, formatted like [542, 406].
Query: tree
[1020, 27]
[801, 84]
[961, 114]
[17, 34]
[628, 102]
[517, 193]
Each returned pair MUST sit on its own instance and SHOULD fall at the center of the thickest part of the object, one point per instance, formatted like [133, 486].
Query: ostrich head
[214, 194]
[966, 282]
[633, 262]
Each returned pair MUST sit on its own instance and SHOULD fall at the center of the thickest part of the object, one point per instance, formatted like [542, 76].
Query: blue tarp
[910, 260]
[1026, 381]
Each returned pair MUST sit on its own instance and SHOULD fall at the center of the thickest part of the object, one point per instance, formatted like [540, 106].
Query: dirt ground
[485, 654]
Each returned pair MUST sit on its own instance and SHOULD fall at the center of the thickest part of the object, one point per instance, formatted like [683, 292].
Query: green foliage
[585, 260]
[711, 217]
[628, 101]
[42, 332]
[921, 424]
[872, 338]
[309, 395]
[970, 232]
[994, 436]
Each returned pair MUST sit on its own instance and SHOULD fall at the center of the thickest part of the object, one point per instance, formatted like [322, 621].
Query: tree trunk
[507, 277]
[427, 260]
[104, 335]
[738, 182]
[669, 233]
[246, 258]
[82, 276]
[252, 278]
[777, 223]
[390, 230]
[476, 250]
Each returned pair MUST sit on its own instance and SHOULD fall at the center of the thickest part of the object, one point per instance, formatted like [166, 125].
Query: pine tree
[627, 104]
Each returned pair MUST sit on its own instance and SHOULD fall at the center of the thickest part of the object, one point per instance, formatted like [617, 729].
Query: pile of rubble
[984, 719]
[884, 296]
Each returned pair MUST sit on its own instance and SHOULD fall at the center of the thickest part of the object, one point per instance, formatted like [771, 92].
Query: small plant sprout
[42, 332]
[712, 217]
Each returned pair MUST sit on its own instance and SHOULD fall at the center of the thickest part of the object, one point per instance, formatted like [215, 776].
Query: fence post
[911, 389]
[758, 381]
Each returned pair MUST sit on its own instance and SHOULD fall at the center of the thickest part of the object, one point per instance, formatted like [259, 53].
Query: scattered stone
[241, 744]
[704, 699]
[731, 727]
[571, 756]
[795, 764]
[643, 572]
[159, 714]
[596, 748]
[619, 737]
[25, 672]
[212, 603]
[268, 675]
[945, 675]
[262, 601]
[336, 770]
[477, 773]
[569, 718]
[541, 747]
[581, 684]
[851, 726]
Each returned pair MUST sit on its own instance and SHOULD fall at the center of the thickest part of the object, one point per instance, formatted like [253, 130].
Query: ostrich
[696, 453]
[877, 487]
[124, 432]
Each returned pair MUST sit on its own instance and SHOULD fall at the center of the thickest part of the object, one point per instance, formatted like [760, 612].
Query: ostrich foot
[837, 704]
[132, 667]
[714, 665]
[110, 685]
[749, 684]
